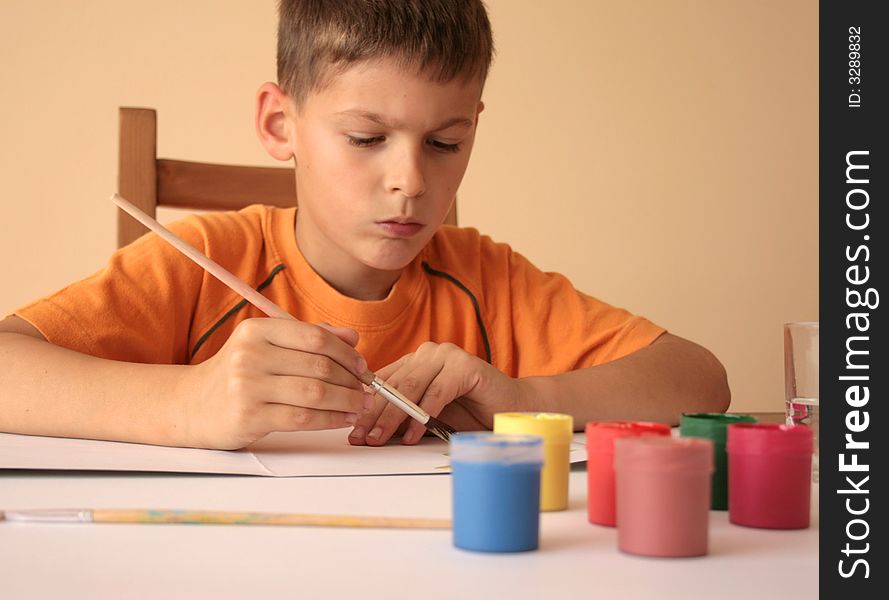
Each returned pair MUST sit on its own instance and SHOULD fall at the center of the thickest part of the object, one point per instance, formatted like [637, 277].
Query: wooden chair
[148, 181]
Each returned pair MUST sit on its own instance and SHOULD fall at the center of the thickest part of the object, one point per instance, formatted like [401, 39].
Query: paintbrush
[192, 517]
[271, 309]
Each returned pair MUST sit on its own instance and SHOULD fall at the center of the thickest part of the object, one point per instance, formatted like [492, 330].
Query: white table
[575, 560]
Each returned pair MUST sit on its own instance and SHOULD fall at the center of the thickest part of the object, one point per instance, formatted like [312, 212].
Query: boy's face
[380, 152]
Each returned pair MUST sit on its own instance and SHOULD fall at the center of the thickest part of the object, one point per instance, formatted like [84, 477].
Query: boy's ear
[273, 122]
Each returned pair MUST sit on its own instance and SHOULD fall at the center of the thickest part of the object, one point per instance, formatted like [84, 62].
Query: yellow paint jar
[556, 430]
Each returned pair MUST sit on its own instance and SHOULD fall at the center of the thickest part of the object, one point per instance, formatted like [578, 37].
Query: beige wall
[662, 154]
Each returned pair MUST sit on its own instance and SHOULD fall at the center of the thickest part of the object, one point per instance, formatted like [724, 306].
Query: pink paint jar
[769, 475]
[600, 436]
[663, 495]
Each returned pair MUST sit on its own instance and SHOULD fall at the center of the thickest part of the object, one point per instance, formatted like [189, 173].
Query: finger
[314, 394]
[385, 426]
[413, 380]
[313, 339]
[386, 372]
[347, 334]
[275, 360]
[358, 435]
[283, 417]
[440, 392]
[437, 406]
[369, 425]
[440, 372]
[414, 432]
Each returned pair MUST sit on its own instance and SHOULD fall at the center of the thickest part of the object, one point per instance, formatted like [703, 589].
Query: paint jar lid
[663, 454]
[710, 425]
[552, 427]
[485, 447]
[770, 438]
[601, 434]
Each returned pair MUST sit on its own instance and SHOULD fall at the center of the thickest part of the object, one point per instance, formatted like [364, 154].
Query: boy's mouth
[401, 226]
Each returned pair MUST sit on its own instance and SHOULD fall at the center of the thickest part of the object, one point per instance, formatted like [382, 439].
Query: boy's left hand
[432, 377]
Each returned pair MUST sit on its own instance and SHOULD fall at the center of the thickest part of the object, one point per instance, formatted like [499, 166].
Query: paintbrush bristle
[440, 428]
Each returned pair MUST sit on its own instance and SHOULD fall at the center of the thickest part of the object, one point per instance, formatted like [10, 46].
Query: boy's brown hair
[443, 38]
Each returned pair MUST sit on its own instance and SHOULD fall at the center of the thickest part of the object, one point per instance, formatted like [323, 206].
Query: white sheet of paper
[306, 453]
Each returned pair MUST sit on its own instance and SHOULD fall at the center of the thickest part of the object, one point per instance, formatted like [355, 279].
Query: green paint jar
[712, 426]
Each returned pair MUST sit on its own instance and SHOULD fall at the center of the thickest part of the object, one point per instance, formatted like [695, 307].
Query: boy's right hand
[274, 375]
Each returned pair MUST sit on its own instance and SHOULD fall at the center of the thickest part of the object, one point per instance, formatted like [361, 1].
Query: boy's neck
[346, 276]
[363, 286]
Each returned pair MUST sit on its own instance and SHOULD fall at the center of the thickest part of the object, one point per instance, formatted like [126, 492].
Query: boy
[377, 105]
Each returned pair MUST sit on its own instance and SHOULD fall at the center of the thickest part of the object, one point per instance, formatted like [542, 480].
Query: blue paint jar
[496, 491]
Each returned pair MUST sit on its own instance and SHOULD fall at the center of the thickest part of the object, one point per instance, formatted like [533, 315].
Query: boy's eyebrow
[383, 122]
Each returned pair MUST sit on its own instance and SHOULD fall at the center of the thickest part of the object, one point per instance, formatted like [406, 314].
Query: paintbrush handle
[253, 518]
[213, 268]
[221, 518]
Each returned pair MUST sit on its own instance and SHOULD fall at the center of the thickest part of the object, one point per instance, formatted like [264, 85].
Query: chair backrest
[148, 181]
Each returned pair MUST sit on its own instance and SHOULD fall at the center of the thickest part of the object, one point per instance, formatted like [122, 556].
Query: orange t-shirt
[151, 304]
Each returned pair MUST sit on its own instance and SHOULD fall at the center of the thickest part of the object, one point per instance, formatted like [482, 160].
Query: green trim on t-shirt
[234, 309]
[475, 305]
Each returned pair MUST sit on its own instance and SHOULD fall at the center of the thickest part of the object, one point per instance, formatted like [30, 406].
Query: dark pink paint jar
[769, 475]
[663, 495]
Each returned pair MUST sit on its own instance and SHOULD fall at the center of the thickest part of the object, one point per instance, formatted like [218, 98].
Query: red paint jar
[600, 436]
[663, 495]
[769, 475]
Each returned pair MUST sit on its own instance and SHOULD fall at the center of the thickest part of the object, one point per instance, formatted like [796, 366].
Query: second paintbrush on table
[271, 309]
[202, 517]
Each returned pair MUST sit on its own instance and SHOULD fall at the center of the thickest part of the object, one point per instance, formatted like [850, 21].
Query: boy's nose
[406, 177]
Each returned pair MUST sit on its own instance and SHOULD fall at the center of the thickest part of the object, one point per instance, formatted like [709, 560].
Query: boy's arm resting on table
[656, 383]
[50, 390]
[271, 375]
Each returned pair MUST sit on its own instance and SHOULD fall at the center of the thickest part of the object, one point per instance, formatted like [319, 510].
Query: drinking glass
[801, 379]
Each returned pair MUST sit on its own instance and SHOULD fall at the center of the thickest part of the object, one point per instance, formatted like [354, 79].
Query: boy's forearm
[657, 383]
[49, 390]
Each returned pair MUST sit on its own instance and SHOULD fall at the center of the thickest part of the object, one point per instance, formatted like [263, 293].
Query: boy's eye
[365, 142]
[443, 147]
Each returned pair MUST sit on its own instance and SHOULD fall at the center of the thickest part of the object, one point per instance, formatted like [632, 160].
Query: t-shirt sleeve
[138, 308]
[552, 327]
